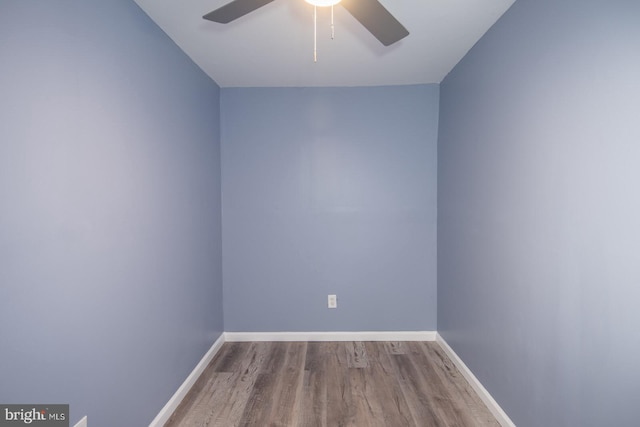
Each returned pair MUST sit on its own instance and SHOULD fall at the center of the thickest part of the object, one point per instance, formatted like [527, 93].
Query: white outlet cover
[332, 301]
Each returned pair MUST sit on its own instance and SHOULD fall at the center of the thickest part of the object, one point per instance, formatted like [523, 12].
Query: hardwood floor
[331, 384]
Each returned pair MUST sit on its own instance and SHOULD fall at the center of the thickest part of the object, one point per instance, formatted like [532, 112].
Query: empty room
[376, 213]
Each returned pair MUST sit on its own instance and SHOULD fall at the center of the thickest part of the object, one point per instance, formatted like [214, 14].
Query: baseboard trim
[488, 400]
[165, 413]
[331, 336]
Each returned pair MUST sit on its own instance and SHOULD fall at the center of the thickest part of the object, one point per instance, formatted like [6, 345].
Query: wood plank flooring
[331, 384]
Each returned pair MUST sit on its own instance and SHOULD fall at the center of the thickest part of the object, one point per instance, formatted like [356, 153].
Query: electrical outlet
[332, 301]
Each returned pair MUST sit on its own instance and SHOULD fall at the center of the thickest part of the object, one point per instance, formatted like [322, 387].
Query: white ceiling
[273, 46]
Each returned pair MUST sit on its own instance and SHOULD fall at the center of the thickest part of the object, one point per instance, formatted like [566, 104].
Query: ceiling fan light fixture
[323, 3]
[370, 13]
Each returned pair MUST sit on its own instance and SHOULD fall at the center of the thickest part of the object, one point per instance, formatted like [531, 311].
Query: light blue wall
[539, 212]
[110, 246]
[329, 190]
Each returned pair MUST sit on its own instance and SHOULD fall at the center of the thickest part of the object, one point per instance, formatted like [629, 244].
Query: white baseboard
[82, 422]
[488, 400]
[330, 336]
[165, 413]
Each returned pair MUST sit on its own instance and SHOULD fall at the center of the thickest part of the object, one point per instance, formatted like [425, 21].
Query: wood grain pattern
[331, 384]
[356, 355]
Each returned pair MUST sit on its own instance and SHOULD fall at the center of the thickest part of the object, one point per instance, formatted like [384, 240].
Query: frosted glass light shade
[322, 3]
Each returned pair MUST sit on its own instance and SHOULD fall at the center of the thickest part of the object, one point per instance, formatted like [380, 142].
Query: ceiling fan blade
[234, 10]
[375, 18]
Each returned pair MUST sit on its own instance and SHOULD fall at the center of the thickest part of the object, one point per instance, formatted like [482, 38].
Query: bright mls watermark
[34, 415]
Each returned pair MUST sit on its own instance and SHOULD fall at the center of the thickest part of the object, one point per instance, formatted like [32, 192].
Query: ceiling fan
[370, 13]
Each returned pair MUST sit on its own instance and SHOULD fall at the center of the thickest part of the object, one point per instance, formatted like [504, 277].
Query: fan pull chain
[315, 34]
[333, 33]
[315, 31]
